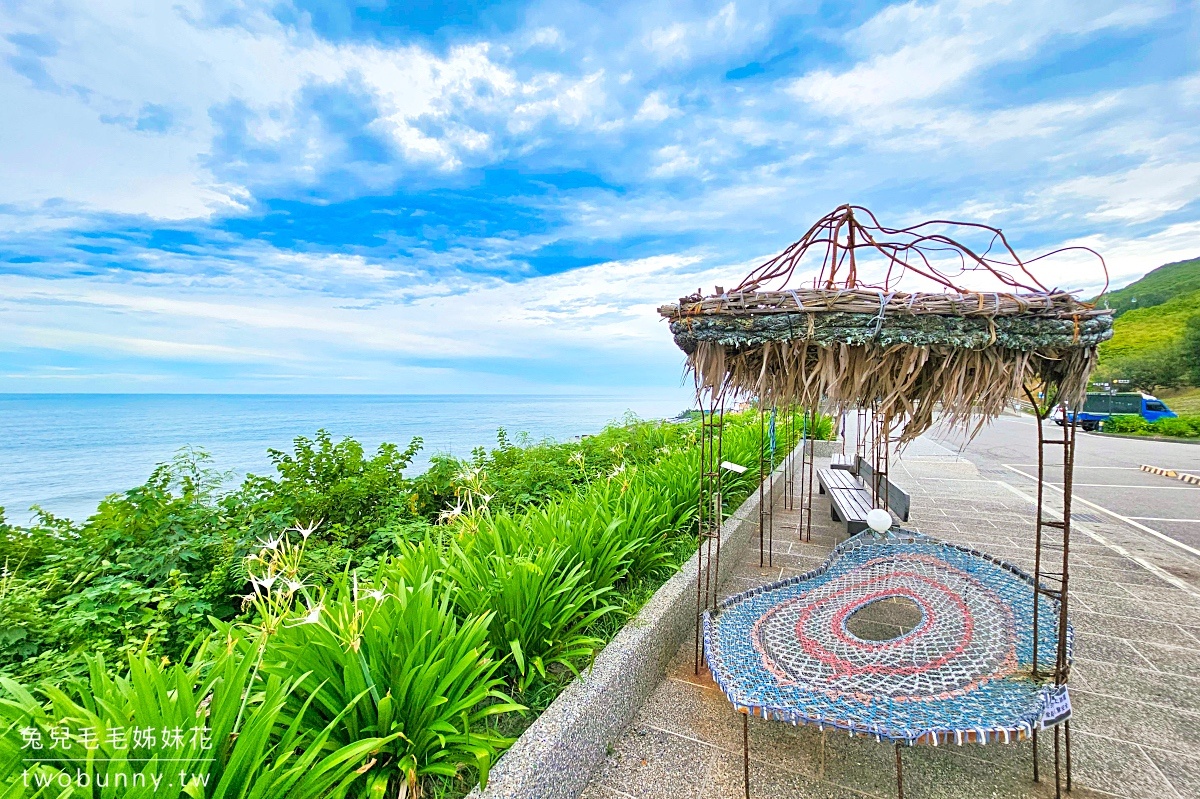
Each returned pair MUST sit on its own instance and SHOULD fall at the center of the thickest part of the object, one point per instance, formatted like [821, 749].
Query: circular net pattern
[785, 650]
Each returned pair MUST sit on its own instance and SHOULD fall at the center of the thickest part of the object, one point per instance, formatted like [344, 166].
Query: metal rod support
[746, 752]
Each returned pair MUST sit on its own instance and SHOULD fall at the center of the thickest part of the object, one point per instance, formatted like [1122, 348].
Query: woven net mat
[785, 650]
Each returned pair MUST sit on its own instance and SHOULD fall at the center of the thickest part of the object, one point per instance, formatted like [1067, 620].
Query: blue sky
[315, 196]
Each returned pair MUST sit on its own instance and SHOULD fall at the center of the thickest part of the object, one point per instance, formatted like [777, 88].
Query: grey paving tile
[1106, 649]
[651, 764]
[1115, 766]
[1175, 659]
[1132, 721]
[1140, 684]
[1181, 771]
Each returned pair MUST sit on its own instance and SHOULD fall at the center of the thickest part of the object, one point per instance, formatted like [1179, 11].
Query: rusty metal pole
[746, 752]
[701, 510]
[762, 513]
[899, 773]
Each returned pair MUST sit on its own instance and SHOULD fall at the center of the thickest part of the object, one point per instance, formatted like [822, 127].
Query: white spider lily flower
[271, 543]
[293, 585]
[451, 513]
[266, 582]
[314, 614]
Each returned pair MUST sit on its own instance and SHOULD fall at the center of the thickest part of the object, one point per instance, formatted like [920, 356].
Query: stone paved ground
[1135, 685]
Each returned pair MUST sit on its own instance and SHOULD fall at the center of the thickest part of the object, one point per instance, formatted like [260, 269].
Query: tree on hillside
[1190, 349]
[1150, 371]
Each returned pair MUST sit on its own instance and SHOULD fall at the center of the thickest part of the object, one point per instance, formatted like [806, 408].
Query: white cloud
[915, 51]
[111, 61]
[655, 108]
[1146, 192]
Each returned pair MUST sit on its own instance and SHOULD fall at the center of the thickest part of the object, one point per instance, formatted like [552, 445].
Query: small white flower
[314, 614]
[451, 513]
[271, 544]
[293, 586]
[377, 595]
[267, 582]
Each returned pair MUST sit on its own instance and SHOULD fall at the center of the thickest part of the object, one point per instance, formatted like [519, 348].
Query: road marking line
[1120, 550]
[1122, 485]
[1077, 467]
[1115, 515]
[1163, 519]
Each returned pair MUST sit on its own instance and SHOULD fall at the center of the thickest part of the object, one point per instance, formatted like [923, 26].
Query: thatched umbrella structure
[858, 336]
[909, 355]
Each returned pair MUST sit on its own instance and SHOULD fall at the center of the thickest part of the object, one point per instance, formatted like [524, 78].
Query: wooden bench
[850, 495]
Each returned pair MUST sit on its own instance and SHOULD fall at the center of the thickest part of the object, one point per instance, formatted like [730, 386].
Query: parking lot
[1109, 483]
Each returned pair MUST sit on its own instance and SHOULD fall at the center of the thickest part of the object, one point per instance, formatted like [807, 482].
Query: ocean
[66, 452]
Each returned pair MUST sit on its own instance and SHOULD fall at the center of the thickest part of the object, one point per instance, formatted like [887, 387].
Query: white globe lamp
[879, 520]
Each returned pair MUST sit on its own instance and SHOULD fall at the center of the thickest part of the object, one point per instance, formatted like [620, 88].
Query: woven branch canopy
[905, 354]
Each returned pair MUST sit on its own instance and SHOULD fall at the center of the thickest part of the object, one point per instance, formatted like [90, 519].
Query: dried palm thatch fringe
[904, 383]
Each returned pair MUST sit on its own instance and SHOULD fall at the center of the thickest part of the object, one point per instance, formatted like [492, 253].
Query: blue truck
[1100, 406]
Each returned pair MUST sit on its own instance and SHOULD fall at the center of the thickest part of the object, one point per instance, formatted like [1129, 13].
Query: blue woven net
[964, 672]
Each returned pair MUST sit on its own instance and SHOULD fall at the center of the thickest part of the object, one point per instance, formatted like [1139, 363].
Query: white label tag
[1058, 708]
[733, 467]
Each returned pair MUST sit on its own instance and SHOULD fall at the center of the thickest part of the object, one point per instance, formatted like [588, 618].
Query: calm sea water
[66, 452]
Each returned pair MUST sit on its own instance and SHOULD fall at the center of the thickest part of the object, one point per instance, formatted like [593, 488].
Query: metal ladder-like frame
[709, 511]
[766, 491]
[1053, 584]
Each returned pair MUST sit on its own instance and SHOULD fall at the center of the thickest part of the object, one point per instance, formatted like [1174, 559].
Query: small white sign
[736, 468]
[1058, 708]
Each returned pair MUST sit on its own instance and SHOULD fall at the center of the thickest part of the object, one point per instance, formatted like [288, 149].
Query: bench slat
[898, 499]
[844, 462]
[836, 478]
[849, 506]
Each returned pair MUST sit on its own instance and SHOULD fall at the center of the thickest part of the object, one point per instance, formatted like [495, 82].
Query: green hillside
[1144, 330]
[1156, 333]
[1156, 287]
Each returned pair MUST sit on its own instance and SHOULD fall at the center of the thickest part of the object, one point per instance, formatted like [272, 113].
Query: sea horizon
[66, 451]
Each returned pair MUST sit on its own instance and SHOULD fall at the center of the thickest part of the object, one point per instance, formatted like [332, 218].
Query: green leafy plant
[541, 609]
[389, 660]
[207, 731]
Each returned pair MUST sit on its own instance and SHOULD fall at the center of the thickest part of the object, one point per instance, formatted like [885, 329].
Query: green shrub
[334, 484]
[1182, 427]
[499, 574]
[1125, 423]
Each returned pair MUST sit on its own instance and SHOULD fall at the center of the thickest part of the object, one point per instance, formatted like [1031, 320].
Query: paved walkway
[1135, 685]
